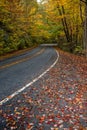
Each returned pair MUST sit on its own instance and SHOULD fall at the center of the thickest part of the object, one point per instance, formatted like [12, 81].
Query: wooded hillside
[24, 23]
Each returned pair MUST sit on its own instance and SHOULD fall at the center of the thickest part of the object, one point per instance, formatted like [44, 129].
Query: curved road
[19, 70]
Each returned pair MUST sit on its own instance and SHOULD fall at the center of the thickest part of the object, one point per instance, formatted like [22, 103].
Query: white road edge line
[27, 85]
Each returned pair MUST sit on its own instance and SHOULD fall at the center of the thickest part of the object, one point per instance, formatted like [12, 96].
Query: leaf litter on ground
[58, 101]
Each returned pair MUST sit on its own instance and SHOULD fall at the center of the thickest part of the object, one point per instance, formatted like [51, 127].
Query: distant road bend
[19, 71]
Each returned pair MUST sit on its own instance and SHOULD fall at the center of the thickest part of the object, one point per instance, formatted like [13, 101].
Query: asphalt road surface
[17, 71]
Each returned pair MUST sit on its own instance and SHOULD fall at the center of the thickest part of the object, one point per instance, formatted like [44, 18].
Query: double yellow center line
[22, 60]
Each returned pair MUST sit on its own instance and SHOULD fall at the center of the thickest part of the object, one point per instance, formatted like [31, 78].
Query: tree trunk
[64, 22]
[84, 26]
[85, 31]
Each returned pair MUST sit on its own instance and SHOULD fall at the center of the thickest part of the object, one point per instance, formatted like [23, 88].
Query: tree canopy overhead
[24, 23]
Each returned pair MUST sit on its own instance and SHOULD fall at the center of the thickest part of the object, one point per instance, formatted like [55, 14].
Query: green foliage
[6, 50]
[78, 50]
[24, 23]
[21, 44]
[16, 19]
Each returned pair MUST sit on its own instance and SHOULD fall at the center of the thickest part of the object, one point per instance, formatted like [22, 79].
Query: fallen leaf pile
[58, 101]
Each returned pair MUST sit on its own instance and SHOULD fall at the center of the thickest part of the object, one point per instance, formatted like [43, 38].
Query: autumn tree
[16, 19]
[66, 20]
[24, 23]
[84, 21]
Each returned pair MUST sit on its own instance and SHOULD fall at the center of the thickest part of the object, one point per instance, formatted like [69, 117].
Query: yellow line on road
[21, 60]
[30, 83]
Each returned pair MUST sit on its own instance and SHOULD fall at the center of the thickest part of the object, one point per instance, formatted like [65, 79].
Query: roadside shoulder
[16, 53]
